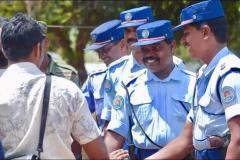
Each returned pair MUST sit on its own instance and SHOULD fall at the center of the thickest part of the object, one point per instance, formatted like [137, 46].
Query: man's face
[192, 39]
[130, 37]
[158, 57]
[109, 53]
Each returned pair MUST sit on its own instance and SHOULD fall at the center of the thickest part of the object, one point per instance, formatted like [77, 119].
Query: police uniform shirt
[161, 106]
[20, 116]
[116, 72]
[209, 114]
[93, 89]
[61, 69]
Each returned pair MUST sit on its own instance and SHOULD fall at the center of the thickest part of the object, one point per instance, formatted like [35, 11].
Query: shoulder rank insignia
[118, 102]
[223, 66]
[107, 85]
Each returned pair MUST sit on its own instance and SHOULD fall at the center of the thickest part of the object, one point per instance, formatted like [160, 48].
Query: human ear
[205, 31]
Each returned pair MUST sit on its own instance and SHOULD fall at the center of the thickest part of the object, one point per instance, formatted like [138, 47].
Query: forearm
[96, 149]
[113, 141]
[233, 150]
[177, 149]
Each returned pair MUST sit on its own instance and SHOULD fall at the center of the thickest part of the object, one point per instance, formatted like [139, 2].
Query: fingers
[119, 154]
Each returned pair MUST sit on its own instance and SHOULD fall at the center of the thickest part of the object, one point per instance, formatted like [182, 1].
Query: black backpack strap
[46, 97]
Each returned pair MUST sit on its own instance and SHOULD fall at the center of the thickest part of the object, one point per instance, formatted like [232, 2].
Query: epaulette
[225, 66]
[131, 79]
[118, 63]
[187, 72]
[98, 72]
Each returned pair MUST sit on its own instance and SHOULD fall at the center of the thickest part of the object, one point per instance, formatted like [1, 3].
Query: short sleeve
[119, 122]
[230, 94]
[109, 93]
[84, 128]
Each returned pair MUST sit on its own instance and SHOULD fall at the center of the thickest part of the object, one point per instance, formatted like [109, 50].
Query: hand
[119, 154]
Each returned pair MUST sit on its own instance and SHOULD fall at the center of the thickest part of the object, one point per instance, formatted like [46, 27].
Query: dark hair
[3, 20]
[219, 28]
[19, 35]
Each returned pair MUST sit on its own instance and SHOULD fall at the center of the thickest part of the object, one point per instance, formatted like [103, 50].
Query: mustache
[131, 40]
[145, 59]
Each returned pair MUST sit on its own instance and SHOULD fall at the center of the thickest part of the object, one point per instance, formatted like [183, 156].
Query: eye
[157, 48]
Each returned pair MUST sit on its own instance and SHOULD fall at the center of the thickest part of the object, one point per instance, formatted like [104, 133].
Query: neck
[212, 52]
[166, 72]
[45, 63]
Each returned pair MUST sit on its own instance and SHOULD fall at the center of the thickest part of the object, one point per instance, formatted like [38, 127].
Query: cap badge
[145, 33]
[94, 38]
[128, 16]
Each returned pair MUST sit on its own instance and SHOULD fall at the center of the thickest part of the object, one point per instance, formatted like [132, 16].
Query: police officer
[56, 67]
[215, 110]
[129, 65]
[147, 100]
[108, 42]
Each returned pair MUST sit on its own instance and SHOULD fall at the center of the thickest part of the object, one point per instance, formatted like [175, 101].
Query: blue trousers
[210, 154]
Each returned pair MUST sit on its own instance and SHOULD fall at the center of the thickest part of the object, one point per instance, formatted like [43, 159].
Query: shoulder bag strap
[46, 97]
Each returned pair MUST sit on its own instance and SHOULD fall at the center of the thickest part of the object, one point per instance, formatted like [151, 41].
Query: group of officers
[147, 105]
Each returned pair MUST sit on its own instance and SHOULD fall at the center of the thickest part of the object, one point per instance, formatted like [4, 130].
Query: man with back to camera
[145, 104]
[215, 113]
[21, 100]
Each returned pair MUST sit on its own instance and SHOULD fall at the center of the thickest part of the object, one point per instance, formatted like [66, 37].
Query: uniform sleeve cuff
[119, 127]
[232, 111]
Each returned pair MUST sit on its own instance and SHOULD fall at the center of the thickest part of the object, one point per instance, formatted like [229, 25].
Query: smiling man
[107, 41]
[146, 106]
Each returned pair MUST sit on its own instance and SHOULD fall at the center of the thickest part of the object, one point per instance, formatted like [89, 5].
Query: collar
[24, 67]
[133, 64]
[174, 75]
[222, 53]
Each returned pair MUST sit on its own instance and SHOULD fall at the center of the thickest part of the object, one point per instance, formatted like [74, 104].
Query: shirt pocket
[208, 108]
[142, 106]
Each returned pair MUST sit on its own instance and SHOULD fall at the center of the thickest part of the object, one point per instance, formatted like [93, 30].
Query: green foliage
[69, 42]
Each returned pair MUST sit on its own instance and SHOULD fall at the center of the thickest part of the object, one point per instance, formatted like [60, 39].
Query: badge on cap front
[94, 38]
[118, 102]
[128, 17]
[145, 33]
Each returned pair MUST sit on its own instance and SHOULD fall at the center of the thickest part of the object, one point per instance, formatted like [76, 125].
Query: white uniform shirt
[21, 95]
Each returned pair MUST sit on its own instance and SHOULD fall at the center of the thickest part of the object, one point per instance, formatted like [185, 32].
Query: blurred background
[71, 21]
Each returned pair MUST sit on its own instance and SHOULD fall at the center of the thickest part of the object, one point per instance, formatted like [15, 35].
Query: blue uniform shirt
[119, 69]
[93, 90]
[161, 106]
[209, 115]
